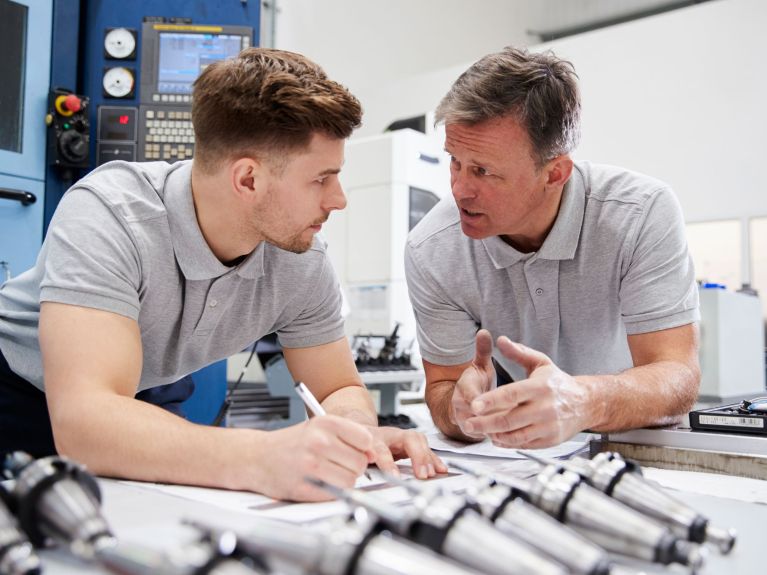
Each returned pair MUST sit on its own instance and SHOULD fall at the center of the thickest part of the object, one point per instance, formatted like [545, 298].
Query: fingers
[327, 471]
[511, 409]
[439, 465]
[384, 459]
[328, 460]
[337, 453]
[469, 386]
[529, 437]
[506, 397]
[527, 357]
[411, 444]
[421, 457]
[353, 434]
[505, 420]
[461, 413]
[484, 349]
[479, 376]
[330, 472]
[344, 443]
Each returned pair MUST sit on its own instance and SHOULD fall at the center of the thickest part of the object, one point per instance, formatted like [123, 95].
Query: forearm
[352, 402]
[659, 393]
[119, 436]
[439, 399]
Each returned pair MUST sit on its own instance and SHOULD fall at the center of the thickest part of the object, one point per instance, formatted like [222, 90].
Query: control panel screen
[184, 56]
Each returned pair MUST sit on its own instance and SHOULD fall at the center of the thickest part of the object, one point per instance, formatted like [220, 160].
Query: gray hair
[540, 90]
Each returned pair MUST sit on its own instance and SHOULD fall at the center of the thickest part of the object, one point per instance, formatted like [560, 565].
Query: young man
[152, 271]
[580, 271]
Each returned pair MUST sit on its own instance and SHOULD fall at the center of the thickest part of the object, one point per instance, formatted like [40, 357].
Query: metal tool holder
[452, 526]
[214, 553]
[352, 546]
[58, 500]
[567, 497]
[507, 506]
[17, 556]
[622, 479]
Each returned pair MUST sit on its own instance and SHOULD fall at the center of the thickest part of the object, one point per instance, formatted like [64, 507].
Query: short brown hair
[266, 102]
[538, 89]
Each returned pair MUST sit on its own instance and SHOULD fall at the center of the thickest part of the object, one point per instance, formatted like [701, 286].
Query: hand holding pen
[331, 448]
[314, 406]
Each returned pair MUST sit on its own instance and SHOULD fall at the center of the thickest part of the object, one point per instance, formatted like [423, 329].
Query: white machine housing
[366, 241]
[731, 346]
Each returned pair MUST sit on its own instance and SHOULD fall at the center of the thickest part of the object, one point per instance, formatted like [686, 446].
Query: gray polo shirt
[615, 263]
[125, 239]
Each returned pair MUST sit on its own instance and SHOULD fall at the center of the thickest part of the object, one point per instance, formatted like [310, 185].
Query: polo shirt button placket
[211, 314]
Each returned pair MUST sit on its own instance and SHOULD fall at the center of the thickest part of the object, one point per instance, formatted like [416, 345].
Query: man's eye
[480, 171]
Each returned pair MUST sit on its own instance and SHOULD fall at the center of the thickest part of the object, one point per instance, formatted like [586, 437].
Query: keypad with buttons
[166, 133]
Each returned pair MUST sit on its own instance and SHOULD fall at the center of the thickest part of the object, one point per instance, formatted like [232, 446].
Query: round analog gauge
[118, 82]
[119, 43]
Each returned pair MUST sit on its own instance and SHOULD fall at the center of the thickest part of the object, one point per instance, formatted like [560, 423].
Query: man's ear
[247, 178]
[558, 171]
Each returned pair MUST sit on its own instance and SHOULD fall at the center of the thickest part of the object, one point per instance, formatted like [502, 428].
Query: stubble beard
[297, 244]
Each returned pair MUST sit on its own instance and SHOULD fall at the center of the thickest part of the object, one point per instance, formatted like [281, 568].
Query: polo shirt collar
[195, 258]
[562, 241]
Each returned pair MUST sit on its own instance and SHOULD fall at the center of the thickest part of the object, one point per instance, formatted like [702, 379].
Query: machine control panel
[172, 57]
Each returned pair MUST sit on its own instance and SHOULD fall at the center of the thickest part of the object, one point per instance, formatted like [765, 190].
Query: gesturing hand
[545, 409]
[476, 379]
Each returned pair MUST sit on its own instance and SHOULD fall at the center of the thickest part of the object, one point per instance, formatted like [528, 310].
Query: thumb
[527, 357]
[484, 349]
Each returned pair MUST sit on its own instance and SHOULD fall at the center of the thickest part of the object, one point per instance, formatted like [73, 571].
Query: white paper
[439, 442]
[237, 500]
[261, 505]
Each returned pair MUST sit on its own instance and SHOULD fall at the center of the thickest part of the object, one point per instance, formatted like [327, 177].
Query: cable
[227, 404]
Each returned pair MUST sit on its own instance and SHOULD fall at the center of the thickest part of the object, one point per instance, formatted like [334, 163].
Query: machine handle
[26, 198]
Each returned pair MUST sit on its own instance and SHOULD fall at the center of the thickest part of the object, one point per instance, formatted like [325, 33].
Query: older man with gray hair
[579, 271]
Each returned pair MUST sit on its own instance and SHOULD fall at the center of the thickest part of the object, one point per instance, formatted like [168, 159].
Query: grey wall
[370, 44]
[681, 96]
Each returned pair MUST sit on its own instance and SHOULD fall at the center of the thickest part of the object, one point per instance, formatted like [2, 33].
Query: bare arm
[92, 361]
[330, 373]
[659, 390]
[440, 386]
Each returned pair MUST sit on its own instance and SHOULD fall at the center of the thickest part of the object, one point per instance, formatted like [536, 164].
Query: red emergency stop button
[68, 105]
[73, 103]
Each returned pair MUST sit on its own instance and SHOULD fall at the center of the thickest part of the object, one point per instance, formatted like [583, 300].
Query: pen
[313, 405]
[309, 400]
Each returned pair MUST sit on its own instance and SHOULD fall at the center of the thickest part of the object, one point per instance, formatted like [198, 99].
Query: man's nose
[461, 186]
[335, 198]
